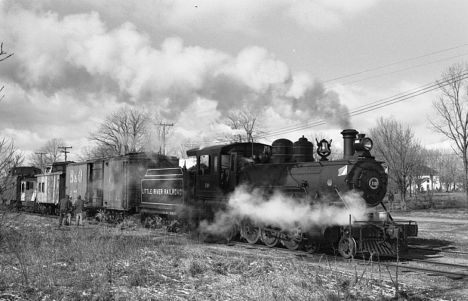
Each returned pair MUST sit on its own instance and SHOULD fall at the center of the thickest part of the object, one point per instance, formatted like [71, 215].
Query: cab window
[204, 164]
[225, 161]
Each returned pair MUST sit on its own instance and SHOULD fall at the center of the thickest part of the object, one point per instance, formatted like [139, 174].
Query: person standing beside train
[65, 206]
[69, 211]
[79, 206]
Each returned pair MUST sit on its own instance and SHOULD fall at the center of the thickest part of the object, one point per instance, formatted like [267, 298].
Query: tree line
[410, 164]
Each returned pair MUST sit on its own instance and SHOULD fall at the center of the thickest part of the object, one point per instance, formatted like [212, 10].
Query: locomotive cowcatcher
[290, 169]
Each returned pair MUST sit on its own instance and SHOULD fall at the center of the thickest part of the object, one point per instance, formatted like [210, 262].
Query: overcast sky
[192, 62]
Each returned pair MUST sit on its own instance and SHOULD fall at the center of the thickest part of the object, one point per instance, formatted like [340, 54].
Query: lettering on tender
[163, 191]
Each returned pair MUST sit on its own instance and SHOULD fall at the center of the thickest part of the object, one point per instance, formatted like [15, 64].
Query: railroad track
[429, 267]
[438, 250]
[456, 272]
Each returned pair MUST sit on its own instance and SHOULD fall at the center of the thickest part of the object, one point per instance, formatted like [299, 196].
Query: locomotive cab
[218, 167]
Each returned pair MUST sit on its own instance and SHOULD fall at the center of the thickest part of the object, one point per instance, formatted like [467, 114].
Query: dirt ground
[445, 229]
[440, 227]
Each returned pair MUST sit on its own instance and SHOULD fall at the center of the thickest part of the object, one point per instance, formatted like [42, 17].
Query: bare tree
[448, 165]
[3, 56]
[396, 145]
[122, 132]
[246, 123]
[9, 157]
[49, 153]
[452, 108]
[96, 151]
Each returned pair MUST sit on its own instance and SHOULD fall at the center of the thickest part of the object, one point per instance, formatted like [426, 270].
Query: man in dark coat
[65, 207]
[79, 206]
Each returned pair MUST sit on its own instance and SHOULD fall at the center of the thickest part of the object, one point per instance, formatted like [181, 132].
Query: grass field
[38, 261]
[436, 200]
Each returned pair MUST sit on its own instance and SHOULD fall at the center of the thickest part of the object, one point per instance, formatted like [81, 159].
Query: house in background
[428, 180]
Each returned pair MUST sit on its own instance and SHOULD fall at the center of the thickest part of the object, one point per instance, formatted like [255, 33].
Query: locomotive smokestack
[349, 136]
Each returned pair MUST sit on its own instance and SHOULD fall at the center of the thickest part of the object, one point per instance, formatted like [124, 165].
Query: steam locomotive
[205, 192]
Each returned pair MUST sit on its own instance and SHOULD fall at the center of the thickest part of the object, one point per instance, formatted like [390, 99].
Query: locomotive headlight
[363, 144]
[367, 144]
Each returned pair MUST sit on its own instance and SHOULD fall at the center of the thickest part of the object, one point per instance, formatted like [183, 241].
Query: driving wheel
[292, 242]
[250, 232]
[231, 233]
[269, 237]
[347, 247]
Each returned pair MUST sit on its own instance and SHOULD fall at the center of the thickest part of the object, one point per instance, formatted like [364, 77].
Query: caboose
[291, 170]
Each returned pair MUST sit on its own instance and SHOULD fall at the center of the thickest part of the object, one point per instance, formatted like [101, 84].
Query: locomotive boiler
[321, 186]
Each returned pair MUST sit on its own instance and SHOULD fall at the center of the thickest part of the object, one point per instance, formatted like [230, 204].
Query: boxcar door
[126, 185]
[96, 182]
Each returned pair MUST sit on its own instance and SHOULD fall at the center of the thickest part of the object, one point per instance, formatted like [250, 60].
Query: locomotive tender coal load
[234, 188]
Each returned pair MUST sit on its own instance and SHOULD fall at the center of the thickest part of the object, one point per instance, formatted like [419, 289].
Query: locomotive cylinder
[349, 136]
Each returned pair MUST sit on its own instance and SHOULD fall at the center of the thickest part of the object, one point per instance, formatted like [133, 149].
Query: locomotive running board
[377, 248]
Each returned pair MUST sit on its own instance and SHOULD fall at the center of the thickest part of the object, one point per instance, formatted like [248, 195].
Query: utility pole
[163, 138]
[64, 150]
[42, 162]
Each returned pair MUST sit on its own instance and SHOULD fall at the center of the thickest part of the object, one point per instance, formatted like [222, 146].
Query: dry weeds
[38, 261]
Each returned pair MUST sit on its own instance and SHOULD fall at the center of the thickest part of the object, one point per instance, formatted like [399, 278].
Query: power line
[404, 69]
[375, 105]
[389, 65]
[384, 102]
[395, 63]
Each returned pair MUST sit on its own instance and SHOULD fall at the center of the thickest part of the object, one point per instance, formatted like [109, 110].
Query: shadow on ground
[421, 248]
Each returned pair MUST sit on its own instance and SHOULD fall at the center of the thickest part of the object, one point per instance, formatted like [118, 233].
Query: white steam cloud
[284, 212]
[79, 53]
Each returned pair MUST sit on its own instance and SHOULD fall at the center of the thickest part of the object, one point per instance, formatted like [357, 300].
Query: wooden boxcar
[77, 180]
[85, 179]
